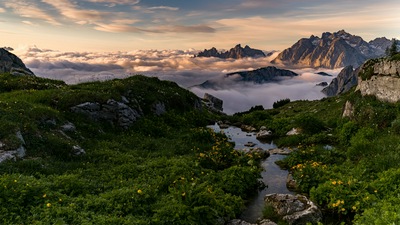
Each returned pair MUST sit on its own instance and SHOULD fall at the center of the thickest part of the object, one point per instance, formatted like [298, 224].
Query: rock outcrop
[348, 110]
[213, 103]
[112, 111]
[346, 79]
[294, 209]
[12, 154]
[322, 84]
[10, 63]
[380, 78]
[332, 50]
[236, 53]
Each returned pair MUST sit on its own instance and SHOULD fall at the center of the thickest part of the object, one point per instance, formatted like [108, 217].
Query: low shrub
[280, 103]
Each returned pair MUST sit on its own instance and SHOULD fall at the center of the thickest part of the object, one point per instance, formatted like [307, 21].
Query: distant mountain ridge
[237, 52]
[332, 50]
[10, 63]
[258, 76]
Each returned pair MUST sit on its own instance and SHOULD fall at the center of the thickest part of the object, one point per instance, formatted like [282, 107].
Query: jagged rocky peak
[237, 52]
[332, 50]
[346, 79]
[10, 63]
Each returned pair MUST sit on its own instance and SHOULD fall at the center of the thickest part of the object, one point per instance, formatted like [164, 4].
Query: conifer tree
[393, 48]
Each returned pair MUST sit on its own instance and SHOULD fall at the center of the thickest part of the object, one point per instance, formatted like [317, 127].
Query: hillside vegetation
[163, 169]
[347, 165]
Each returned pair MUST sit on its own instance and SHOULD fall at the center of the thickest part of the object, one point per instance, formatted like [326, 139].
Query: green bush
[309, 124]
[280, 103]
[239, 181]
[361, 144]
[346, 132]
[396, 126]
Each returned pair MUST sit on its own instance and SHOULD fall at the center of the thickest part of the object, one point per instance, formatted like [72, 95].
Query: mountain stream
[273, 177]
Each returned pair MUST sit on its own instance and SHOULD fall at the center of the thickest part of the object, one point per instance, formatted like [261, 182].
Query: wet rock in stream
[242, 222]
[294, 209]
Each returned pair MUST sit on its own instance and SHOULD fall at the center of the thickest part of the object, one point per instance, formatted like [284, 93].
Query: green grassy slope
[163, 170]
[358, 180]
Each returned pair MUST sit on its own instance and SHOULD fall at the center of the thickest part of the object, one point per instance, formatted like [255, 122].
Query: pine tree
[393, 48]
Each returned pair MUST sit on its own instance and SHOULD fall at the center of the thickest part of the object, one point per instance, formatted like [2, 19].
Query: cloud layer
[179, 66]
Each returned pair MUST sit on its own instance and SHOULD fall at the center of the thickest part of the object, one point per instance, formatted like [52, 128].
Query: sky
[126, 25]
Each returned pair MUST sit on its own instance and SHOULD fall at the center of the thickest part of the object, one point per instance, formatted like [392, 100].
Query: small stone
[77, 150]
[68, 127]
[279, 151]
[264, 134]
[293, 131]
[250, 144]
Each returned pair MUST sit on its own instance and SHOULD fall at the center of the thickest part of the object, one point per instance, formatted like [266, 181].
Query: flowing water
[272, 176]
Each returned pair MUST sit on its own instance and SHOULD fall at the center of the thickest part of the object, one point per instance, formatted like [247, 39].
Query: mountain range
[237, 52]
[332, 50]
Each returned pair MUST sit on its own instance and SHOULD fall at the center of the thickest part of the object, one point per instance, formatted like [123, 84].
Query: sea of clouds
[179, 66]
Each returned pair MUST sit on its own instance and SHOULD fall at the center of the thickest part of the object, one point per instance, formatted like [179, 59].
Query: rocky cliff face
[236, 53]
[380, 78]
[213, 103]
[332, 50]
[10, 63]
[258, 76]
[346, 79]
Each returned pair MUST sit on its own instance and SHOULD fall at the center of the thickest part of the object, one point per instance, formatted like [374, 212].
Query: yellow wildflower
[354, 207]
[334, 182]
[48, 204]
[44, 196]
[139, 192]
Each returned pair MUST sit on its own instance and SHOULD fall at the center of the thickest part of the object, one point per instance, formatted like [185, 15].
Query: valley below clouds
[181, 67]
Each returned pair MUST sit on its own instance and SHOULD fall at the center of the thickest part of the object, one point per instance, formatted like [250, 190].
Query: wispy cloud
[163, 8]
[71, 11]
[27, 22]
[188, 29]
[118, 28]
[29, 9]
[116, 2]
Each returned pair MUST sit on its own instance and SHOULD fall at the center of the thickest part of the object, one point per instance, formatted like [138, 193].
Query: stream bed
[273, 177]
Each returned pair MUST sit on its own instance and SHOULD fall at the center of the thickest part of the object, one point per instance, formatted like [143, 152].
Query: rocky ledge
[381, 78]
